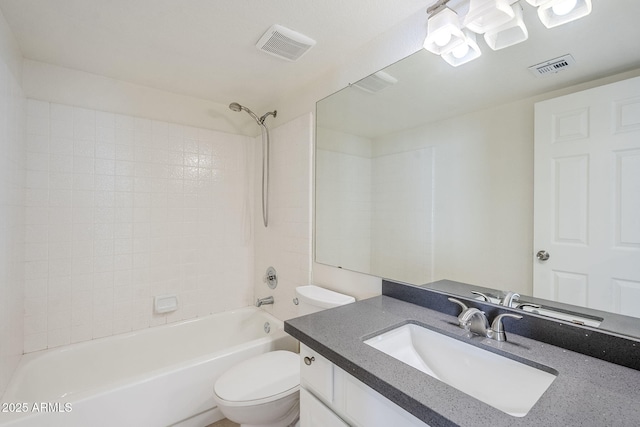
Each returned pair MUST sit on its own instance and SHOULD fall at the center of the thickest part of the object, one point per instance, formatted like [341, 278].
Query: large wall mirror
[425, 172]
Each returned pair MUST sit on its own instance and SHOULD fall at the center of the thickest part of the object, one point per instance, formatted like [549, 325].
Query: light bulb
[460, 51]
[442, 38]
[564, 7]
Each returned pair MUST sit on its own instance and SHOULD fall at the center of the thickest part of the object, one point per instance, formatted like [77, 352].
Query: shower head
[234, 106]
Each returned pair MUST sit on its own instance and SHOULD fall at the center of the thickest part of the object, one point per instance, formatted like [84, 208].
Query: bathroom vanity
[346, 381]
[329, 395]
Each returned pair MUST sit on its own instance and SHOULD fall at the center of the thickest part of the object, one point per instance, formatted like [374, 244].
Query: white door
[587, 198]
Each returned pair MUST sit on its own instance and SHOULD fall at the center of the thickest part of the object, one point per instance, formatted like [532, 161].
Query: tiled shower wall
[286, 243]
[12, 160]
[364, 189]
[120, 209]
[343, 200]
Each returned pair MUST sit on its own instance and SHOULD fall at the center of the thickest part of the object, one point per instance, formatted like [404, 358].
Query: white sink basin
[503, 383]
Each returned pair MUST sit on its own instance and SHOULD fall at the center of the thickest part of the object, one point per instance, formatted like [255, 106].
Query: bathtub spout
[263, 301]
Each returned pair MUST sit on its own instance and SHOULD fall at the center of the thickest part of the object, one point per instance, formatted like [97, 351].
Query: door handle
[542, 255]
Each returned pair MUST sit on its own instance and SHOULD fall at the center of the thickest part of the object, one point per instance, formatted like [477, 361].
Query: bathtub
[160, 376]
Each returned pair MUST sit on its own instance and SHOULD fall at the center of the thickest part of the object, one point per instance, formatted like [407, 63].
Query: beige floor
[224, 423]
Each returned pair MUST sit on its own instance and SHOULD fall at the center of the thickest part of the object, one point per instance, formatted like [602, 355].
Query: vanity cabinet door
[316, 373]
[362, 406]
[314, 414]
[346, 398]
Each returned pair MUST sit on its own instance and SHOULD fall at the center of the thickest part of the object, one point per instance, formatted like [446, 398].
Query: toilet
[264, 391]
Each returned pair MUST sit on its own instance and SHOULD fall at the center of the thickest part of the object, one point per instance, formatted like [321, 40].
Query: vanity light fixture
[508, 34]
[501, 22]
[464, 53]
[443, 29]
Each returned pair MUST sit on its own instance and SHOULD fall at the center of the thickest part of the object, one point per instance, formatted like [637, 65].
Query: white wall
[12, 161]
[397, 43]
[482, 222]
[81, 89]
[402, 224]
[286, 243]
[120, 209]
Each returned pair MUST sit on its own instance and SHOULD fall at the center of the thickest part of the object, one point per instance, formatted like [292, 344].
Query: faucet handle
[463, 320]
[460, 303]
[498, 328]
[486, 298]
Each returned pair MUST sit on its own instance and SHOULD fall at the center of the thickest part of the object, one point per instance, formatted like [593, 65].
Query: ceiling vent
[552, 66]
[284, 43]
[376, 82]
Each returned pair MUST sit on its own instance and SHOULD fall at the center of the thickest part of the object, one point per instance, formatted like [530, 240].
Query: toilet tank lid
[321, 297]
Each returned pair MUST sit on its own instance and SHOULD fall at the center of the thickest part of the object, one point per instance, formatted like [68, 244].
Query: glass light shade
[508, 34]
[564, 7]
[486, 15]
[465, 52]
[551, 18]
[443, 32]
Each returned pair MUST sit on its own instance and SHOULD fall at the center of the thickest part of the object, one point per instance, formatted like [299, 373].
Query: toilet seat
[262, 379]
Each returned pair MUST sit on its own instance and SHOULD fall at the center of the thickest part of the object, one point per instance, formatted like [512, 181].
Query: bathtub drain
[267, 327]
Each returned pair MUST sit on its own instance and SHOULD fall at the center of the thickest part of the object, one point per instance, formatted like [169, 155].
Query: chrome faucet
[510, 298]
[484, 296]
[264, 301]
[475, 321]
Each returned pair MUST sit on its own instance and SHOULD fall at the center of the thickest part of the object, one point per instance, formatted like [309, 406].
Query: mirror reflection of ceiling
[604, 43]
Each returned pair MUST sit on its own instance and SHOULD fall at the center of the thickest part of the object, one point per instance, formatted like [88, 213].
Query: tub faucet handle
[271, 278]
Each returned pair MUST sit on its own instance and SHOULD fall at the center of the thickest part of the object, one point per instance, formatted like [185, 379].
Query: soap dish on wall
[165, 303]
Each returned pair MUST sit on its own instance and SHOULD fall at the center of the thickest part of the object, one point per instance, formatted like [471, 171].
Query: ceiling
[206, 49]
[200, 48]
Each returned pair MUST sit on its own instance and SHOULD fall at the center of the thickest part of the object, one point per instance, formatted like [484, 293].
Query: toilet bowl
[264, 391]
[261, 391]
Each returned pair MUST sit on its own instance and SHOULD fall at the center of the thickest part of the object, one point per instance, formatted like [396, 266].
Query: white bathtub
[160, 376]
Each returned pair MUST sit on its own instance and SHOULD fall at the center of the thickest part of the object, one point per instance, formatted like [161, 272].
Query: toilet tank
[314, 298]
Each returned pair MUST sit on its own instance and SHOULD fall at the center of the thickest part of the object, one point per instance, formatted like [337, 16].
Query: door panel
[587, 198]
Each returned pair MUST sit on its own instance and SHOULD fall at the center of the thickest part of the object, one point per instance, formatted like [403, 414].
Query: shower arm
[273, 113]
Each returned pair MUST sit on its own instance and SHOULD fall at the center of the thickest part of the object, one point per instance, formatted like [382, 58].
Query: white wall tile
[108, 226]
[17, 116]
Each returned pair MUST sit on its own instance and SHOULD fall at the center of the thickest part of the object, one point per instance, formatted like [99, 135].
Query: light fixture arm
[436, 7]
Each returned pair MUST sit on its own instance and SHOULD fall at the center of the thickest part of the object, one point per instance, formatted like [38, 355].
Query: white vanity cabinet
[330, 397]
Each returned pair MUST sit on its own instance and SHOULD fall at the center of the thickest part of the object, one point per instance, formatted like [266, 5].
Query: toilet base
[289, 420]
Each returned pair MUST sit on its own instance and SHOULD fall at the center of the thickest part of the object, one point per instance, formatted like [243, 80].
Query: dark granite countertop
[586, 392]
